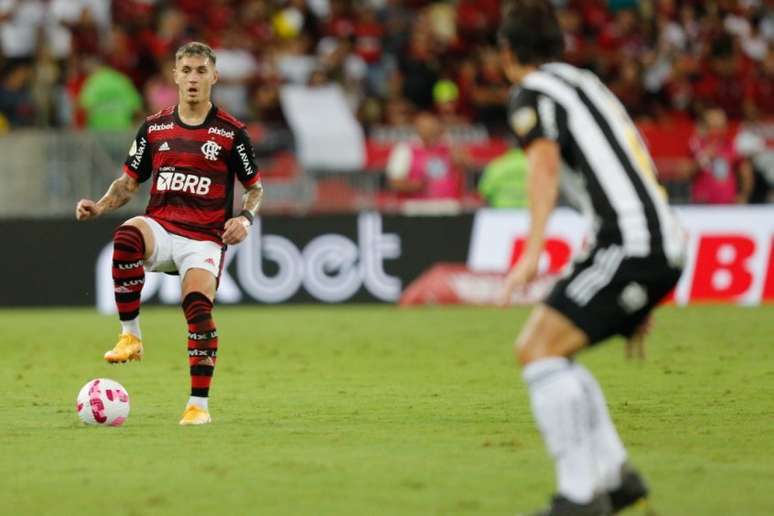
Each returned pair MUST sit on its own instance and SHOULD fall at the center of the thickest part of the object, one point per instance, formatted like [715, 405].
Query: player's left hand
[235, 230]
[525, 271]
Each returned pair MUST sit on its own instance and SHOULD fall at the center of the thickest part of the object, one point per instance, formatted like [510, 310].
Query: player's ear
[214, 76]
[174, 75]
[510, 64]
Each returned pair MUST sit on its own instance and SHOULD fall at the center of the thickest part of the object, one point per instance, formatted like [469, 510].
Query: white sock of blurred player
[198, 401]
[132, 327]
[609, 451]
[563, 414]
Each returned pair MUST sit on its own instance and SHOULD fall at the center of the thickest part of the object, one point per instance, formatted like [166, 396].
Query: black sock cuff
[192, 297]
[131, 230]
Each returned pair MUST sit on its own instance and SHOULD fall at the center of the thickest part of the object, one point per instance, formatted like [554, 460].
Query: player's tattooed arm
[235, 230]
[251, 200]
[119, 193]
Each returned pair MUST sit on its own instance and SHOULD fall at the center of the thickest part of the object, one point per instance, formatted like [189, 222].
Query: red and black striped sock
[128, 272]
[202, 342]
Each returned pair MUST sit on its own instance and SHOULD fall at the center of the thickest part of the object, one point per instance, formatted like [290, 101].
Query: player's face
[510, 64]
[194, 76]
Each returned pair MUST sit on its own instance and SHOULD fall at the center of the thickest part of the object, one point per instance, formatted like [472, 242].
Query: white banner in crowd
[730, 249]
[328, 137]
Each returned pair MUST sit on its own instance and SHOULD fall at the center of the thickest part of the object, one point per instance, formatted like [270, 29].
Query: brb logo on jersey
[210, 150]
[179, 182]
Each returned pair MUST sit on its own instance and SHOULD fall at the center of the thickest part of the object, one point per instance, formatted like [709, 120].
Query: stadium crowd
[101, 65]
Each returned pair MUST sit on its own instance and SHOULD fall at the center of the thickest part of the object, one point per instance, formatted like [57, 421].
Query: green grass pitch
[372, 410]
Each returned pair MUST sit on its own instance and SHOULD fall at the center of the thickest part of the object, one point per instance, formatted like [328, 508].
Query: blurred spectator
[427, 168]
[446, 95]
[503, 184]
[44, 90]
[295, 19]
[621, 39]
[20, 21]
[109, 98]
[161, 90]
[720, 83]
[420, 69]
[574, 42]
[397, 112]
[16, 104]
[293, 59]
[396, 18]
[478, 19]
[629, 89]
[759, 90]
[236, 67]
[490, 92]
[170, 34]
[752, 146]
[340, 21]
[62, 17]
[265, 100]
[369, 45]
[722, 175]
[255, 16]
[85, 30]
[340, 64]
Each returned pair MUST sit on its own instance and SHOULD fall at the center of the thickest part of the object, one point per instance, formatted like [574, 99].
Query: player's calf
[128, 280]
[202, 346]
[128, 271]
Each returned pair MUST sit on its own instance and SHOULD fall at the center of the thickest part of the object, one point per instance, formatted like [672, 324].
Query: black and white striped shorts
[608, 293]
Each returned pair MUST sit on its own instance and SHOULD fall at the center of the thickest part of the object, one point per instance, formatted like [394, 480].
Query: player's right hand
[524, 272]
[86, 209]
[635, 345]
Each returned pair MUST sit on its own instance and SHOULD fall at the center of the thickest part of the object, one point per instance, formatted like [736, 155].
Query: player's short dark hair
[195, 48]
[531, 30]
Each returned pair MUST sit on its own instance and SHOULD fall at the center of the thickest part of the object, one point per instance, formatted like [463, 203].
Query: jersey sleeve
[532, 116]
[138, 162]
[242, 159]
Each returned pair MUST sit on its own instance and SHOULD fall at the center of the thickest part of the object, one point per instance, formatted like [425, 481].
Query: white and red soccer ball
[103, 402]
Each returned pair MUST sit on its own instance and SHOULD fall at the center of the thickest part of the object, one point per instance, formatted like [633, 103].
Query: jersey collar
[210, 115]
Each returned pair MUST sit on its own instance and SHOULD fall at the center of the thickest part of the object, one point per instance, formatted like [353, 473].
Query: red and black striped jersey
[193, 170]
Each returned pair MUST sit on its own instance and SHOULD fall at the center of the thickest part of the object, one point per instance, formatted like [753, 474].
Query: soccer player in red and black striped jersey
[192, 152]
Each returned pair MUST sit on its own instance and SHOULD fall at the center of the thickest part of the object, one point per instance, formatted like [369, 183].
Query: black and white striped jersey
[607, 171]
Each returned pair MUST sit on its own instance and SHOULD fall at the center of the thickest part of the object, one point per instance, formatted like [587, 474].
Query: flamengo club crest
[210, 150]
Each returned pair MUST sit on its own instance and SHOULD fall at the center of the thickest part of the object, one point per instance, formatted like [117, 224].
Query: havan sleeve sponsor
[138, 161]
[242, 159]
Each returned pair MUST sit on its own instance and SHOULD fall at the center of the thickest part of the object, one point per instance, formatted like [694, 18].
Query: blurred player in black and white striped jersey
[577, 136]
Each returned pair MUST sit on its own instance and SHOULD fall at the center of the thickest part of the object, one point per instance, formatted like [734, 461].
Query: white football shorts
[177, 253]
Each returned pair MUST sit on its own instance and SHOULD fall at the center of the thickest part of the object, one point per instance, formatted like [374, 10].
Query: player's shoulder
[224, 116]
[160, 115]
[521, 96]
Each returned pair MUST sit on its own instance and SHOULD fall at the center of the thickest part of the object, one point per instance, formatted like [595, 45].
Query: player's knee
[137, 228]
[531, 348]
[198, 299]
[524, 351]
[197, 306]
[128, 239]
